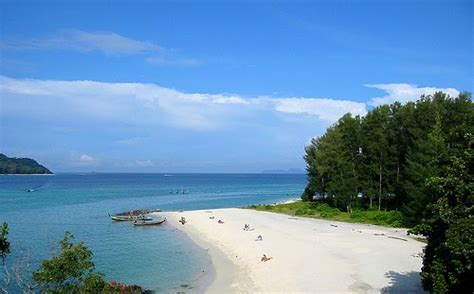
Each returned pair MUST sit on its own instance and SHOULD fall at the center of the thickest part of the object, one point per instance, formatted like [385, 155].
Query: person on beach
[219, 221]
[259, 238]
[265, 258]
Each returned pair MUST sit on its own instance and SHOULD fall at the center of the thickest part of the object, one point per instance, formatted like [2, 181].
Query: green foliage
[384, 159]
[387, 218]
[70, 271]
[21, 166]
[415, 160]
[4, 244]
[325, 211]
[448, 266]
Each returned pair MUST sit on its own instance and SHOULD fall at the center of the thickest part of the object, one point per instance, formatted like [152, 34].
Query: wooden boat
[148, 223]
[127, 218]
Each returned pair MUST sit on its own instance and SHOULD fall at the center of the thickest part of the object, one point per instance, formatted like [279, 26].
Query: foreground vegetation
[324, 211]
[414, 161]
[71, 270]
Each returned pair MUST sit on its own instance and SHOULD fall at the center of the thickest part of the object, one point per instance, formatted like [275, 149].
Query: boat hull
[149, 223]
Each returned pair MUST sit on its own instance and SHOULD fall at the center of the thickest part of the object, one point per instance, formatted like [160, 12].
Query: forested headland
[12, 165]
[416, 159]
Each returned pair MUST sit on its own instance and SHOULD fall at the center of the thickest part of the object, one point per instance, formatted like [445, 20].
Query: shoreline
[308, 254]
[28, 174]
[220, 273]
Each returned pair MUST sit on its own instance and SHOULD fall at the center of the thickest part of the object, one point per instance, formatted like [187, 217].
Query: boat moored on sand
[148, 222]
[128, 218]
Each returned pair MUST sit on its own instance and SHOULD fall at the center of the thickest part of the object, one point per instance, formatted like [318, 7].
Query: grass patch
[324, 211]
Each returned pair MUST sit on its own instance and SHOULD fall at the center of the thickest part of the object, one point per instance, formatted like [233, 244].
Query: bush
[301, 211]
[387, 218]
[450, 267]
[327, 211]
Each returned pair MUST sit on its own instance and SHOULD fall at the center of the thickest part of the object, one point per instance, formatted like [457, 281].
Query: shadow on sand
[403, 282]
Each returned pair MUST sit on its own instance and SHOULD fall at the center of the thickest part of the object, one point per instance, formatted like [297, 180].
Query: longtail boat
[127, 218]
[148, 223]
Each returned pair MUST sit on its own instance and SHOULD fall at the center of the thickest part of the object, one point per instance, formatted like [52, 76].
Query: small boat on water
[148, 222]
[127, 218]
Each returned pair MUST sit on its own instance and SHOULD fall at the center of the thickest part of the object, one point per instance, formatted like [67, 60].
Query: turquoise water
[159, 258]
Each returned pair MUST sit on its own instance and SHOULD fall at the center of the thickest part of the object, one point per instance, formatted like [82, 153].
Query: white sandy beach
[309, 255]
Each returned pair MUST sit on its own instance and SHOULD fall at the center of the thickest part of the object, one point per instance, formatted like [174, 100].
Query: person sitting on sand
[246, 227]
[259, 238]
[265, 258]
[182, 220]
[219, 221]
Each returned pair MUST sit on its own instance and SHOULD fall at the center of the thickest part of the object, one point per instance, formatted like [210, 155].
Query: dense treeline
[415, 158]
[21, 166]
[383, 160]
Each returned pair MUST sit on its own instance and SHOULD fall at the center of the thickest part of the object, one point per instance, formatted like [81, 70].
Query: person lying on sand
[265, 258]
[219, 221]
[248, 228]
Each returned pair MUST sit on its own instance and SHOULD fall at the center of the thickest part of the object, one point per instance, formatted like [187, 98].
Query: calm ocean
[158, 258]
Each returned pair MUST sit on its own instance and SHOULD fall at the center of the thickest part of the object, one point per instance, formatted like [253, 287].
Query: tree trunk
[380, 181]
[397, 200]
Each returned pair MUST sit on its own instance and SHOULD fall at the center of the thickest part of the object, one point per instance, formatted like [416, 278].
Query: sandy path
[309, 255]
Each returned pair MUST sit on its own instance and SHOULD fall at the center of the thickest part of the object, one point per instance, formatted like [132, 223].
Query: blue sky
[228, 86]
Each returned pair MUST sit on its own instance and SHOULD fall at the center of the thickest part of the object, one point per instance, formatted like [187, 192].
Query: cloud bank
[108, 43]
[151, 104]
[77, 40]
[323, 108]
[405, 92]
[138, 103]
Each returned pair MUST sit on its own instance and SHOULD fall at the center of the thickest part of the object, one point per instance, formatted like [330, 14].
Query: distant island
[284, 171]
[21, 166]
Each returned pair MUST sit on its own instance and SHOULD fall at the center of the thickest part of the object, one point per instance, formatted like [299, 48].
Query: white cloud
[323, 108]
[86, 158]
[108, 43]
[137, 103]
[405, 93]
[149, 104]
[133, 103]
[77, 40]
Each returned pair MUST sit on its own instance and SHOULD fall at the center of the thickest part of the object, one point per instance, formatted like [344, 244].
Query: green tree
[71, 271]
[4, 251]
[448, 265]
[376, 151]
[4, 244]
[424, 161]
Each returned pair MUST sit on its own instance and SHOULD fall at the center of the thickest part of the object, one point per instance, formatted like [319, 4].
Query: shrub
[327, 211]
[451, 267]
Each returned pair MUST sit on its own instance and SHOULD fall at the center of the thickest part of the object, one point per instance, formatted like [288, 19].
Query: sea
[159, 258]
